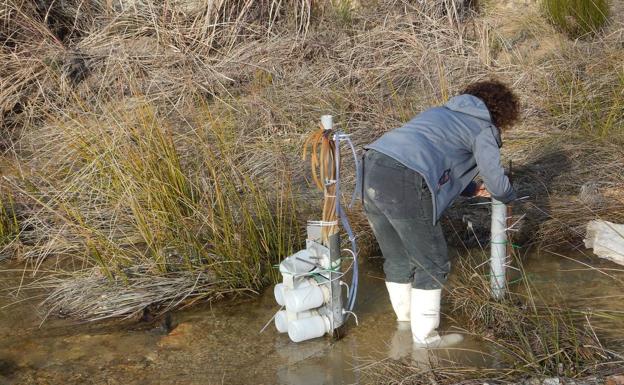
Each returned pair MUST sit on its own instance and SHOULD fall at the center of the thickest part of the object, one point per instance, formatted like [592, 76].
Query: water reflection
[221, 344]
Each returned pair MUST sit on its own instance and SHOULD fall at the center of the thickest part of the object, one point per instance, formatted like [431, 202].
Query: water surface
[221, 343]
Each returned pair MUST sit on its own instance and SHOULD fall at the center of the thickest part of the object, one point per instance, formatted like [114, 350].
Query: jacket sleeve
[487, 155]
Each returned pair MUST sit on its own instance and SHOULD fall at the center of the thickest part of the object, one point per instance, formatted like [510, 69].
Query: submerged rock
[178, 338]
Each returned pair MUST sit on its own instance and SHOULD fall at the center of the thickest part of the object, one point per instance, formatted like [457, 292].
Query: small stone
[617, 379]
[151, 357]
[551, 381]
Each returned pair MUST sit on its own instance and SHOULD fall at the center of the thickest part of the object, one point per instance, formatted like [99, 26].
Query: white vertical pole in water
[498, 249]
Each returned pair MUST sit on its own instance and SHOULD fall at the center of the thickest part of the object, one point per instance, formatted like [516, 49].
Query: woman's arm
[487, 154]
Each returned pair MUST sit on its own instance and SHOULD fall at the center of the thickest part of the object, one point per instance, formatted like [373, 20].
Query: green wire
[514, 245]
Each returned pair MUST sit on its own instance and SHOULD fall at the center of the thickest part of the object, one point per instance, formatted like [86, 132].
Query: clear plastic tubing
[308, 328]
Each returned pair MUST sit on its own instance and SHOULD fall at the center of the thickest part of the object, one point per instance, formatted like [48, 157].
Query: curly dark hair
[499, 99]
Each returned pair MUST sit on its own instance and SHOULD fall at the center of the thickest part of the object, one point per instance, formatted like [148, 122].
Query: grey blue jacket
[449, 146]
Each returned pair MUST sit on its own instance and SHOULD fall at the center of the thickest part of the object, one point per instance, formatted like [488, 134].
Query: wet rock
[161, 324]
[149, 315]
[167, 324]
[178, 338]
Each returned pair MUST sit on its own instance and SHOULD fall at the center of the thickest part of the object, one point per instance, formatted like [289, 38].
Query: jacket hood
[470, 105]
[473, 106]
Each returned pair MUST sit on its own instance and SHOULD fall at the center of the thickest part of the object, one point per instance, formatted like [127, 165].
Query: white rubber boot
[426, 319]
[400, 294]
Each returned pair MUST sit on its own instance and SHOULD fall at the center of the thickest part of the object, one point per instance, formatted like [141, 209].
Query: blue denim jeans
[398, 206]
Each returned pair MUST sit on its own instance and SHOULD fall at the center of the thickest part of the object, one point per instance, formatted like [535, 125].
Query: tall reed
[135, 197]
[577, 17]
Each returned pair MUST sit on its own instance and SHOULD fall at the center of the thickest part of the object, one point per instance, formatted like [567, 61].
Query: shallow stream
[221, 343]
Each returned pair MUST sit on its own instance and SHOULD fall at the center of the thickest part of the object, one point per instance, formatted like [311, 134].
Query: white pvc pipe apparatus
[498, 249]
[310, 294]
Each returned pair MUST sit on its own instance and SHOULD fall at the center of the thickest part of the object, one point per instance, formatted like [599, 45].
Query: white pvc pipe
[308, 328]
[498, 249]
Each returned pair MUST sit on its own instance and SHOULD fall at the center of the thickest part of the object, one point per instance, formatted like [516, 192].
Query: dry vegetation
[151, 149]
[162, 139]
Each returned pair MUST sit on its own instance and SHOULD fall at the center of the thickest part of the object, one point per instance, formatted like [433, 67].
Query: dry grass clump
[92, 295]
[569, 163]
[50, 49]
[573, 175]
[587, 97]
[530, 334]
[567, 188]
[184, 160]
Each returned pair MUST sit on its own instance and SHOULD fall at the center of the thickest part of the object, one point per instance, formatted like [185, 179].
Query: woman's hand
[482, 191]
